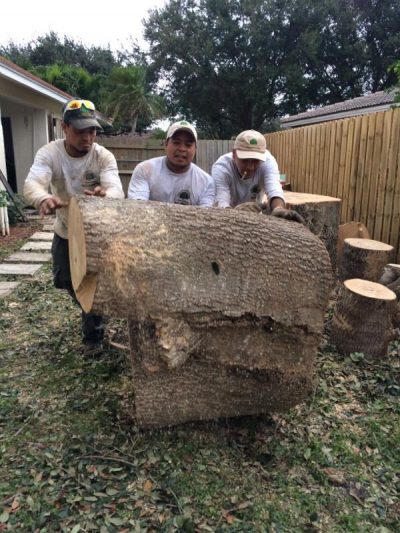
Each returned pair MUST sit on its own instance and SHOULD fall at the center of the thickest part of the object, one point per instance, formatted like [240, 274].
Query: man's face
[246, 167]
[180, 150]
[78, 142]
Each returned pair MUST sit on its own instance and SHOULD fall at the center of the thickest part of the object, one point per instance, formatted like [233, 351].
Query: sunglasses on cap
[72, 105]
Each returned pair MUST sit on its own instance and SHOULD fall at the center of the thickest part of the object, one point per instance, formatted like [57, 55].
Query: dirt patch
[19, 233]
[22, 230]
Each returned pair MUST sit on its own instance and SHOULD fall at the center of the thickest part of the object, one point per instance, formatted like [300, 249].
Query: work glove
[250, 207]
[288, 214]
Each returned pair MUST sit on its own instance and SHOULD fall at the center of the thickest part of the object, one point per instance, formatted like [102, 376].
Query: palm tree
[127, 97]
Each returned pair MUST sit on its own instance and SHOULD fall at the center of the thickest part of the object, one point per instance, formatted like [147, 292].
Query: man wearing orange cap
[242, 175]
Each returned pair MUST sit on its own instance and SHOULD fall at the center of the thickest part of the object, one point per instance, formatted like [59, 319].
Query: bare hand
[49, 205]
[251, 207]
[97, 191]
[288, 214]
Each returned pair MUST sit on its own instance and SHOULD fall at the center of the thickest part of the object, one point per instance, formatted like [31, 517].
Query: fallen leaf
[148, 485]
[229, 518]
[337, 477]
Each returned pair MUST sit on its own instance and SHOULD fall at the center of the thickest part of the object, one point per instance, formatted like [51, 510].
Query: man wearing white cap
[241, 175]
[174, 178]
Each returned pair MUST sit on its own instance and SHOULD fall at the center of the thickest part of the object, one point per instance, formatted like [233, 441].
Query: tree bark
[362, 319]
[391, 279]
[364, 259]
[225, 308]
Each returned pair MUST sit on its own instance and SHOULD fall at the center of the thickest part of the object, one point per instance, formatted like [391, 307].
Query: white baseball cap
[251, 144]
[181, 125]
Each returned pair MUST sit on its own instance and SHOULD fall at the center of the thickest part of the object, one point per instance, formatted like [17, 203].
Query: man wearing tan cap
[241, 175]
[174, 178]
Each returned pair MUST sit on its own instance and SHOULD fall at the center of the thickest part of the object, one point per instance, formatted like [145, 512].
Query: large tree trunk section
[226, 308]
[364, 259]
[362, 319]
[391, 279]
[322, 217]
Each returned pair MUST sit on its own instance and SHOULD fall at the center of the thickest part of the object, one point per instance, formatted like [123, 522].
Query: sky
[99, 23]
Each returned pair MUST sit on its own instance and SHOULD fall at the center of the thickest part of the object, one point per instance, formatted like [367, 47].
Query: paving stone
[19, 269]
[38, 217]
[37, 245]
[41, 236]
[48, 227]
[6, 287]
[28, 257]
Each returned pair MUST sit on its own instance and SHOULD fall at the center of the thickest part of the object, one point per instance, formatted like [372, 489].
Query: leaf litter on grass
[72, 459]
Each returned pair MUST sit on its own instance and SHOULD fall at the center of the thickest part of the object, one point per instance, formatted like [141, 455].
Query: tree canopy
[234, 65]
[113, 83]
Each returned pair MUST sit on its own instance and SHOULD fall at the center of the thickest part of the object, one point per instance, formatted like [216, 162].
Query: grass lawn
[72, 459]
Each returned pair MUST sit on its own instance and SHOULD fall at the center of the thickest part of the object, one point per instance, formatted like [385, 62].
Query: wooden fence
[130, 151]
[355, 159]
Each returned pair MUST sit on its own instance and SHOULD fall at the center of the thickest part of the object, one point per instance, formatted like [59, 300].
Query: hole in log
[215, 267]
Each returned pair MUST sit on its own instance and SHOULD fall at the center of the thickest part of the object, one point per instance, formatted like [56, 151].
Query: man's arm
[37, 183]
[273, 188]
[138, 186]
[110, 182]
[222, 190]
[207, 198]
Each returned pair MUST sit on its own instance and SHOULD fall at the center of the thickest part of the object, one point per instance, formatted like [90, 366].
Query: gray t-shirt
[232, 190]
[153, 180]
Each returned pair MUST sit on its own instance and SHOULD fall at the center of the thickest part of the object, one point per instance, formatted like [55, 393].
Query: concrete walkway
[31, 257]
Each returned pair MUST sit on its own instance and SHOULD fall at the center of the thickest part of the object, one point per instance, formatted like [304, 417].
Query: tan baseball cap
[250, 144]
[181, 125]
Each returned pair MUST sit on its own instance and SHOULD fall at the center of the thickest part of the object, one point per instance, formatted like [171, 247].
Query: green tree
[72, 79]
[127, 99]
[235, 65]
[395, 68]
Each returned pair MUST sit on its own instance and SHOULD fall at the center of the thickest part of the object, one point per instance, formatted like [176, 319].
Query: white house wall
[28, 111]
[3, 167]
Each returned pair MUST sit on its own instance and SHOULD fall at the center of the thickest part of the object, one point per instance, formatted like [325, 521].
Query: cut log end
[84, 284]
[369, 289]
[368, 244]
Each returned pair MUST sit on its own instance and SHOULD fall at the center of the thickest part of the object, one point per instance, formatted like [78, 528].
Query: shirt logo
[90, 180]
[183, 198]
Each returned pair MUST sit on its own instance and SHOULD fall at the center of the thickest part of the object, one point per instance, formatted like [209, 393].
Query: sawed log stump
[362, 318]
[364, 259]
[225, 308]
[321, 216]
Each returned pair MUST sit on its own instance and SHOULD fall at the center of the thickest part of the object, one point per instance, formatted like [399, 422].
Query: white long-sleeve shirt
[231, 190]
[153, 180]
[67, 176]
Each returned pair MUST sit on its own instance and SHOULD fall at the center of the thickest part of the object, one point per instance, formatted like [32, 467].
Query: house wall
[28, 111]
[2, 154]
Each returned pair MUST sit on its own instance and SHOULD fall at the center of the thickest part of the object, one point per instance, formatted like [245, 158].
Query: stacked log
[225, 308]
